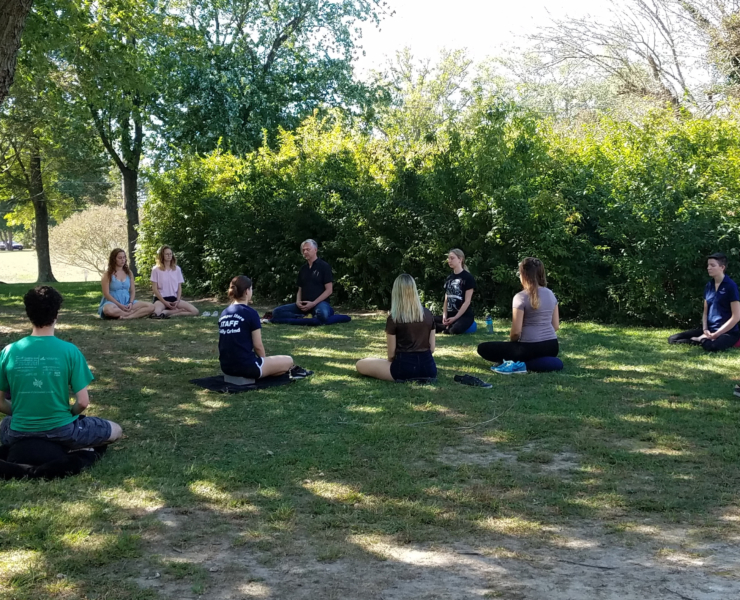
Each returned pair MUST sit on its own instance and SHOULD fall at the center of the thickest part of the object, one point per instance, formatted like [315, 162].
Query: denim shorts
[408, 366]
[165, 298]
[83, 432]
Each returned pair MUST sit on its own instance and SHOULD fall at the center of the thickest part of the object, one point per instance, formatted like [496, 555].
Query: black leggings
[459, 326]
[518, 351]
[723, 342]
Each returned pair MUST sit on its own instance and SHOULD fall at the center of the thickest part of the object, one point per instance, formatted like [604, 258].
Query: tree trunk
[41, 212]
[131, 200]
[13, 15]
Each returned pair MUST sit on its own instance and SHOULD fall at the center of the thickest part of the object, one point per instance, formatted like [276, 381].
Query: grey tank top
[537, 325]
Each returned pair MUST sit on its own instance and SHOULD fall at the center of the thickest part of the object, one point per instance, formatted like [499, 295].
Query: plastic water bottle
[489, 324]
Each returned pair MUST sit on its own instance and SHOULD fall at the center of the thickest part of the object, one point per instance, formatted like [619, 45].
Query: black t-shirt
[455, 287]
[235, 327]
[411, 337]
[312, 279]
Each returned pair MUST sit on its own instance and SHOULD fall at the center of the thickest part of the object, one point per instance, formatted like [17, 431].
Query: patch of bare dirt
[569, 563]
[484, 454]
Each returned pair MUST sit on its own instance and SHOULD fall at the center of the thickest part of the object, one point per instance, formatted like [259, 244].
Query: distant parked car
[16, 246]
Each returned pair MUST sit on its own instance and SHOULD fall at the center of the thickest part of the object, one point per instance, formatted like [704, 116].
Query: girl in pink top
[167, 288]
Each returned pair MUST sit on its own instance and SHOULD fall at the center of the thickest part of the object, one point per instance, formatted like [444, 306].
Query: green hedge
[622, 214]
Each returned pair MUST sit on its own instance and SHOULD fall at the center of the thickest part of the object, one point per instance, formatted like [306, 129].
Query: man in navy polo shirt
[315, 285]
[719, 330]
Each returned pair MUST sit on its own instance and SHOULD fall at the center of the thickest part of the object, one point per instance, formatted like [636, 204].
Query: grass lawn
[344, 487]
[21, 266]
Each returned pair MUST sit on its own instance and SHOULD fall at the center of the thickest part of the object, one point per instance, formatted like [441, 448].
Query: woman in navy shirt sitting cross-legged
[719, 329]
[240, 349]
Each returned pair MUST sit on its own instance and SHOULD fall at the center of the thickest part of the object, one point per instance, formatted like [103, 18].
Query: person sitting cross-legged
[119, 291]
[719, 324]
[240, 348]
[457, 315]
[167, 283]
[534, 323]
[315, 285]
[410, 335]
[38, 372]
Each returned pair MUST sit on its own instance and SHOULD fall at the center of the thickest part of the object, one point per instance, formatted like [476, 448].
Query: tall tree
[13, 15]
[424, 97]
[718, 21]
[247, 66]
[647, 47]
[52, 159]
[113, 47]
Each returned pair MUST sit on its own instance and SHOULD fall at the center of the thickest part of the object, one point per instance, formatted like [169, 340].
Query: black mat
[217, 384]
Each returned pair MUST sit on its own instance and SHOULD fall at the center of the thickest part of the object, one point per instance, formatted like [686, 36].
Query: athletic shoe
[509, 367]
[299, 373]
[206, 314]
[737, 391]
[470, 380]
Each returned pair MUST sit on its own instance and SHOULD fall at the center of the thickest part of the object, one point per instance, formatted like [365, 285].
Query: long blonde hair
[461, 255]
[160, 258]
[405, 304]
[532, 274]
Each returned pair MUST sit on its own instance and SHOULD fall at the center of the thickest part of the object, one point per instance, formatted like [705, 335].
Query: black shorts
[165, 298]
[250, 370]
[407, 366]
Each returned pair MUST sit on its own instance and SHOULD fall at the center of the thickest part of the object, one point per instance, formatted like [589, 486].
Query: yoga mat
[217, 384]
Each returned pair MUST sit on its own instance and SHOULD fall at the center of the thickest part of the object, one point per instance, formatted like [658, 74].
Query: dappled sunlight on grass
[131, 497]
[17, 562]
[661, 451]
[338, 492]
[513, 526]
[364, 409]
[631, 429]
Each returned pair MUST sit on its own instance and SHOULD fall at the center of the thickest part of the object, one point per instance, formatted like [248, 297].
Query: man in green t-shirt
[37, 374]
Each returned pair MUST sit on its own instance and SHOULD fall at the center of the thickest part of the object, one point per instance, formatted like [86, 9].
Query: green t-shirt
[39, 372]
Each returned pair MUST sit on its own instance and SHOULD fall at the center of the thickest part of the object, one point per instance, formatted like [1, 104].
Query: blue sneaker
[509, 367]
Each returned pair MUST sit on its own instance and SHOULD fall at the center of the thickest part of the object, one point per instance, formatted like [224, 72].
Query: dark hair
[42, 305]
[720, 257]
[239, 286]
[112, 263]
[532, 273]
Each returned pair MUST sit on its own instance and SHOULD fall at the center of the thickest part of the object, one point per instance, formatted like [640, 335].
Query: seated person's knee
[115, 432]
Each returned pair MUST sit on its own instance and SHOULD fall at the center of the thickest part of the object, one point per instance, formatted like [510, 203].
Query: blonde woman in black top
[410, 335]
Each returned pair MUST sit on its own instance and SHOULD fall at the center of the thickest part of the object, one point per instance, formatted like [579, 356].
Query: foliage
[622, 214]
[244, 66]
[298, 472]
[52, 161]
[424, 98]
[86, 238]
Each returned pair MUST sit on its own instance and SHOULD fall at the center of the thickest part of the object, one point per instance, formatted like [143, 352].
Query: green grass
[22, 267]
[337, 459]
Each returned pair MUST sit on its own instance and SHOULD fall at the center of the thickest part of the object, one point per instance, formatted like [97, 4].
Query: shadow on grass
[339, 455]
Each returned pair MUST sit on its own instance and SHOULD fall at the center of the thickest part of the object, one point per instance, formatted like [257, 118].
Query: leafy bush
[622, 214]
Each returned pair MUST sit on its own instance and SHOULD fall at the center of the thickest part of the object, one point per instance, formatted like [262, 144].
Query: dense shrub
[622, 214]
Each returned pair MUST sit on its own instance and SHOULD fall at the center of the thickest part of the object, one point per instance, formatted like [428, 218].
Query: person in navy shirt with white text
[240, 349]
[719, 329]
